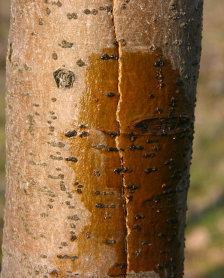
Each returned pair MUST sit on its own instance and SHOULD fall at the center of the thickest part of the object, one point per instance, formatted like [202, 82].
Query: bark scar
[117, 141]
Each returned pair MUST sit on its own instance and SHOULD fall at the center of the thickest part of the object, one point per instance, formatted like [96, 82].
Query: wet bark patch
[150, 140]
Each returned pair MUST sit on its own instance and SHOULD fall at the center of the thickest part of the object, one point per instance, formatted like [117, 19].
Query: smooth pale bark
[100, 113]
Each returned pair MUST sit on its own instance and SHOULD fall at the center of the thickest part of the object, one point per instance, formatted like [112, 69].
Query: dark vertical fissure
[118, 46]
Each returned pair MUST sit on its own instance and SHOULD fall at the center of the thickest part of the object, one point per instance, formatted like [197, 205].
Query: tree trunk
[100, 114]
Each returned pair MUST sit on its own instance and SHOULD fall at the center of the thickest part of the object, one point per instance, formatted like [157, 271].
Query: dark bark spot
[56, 157]
[87, 11]
[71, 159]
[74, 217]
[10, 52]
[48, 11]
[150, 170]
[73, 258]
[106, 57]
[72, 15]
[94, 12]
[121, 170]
[54, 56]
[110, 241]
[99, 205]
[132, 187]
[71, 133]
[159, 63]
[66, 44]
[80, 63]
[110, 94]
[41, 22]
[84, 134]
[160, 126]
[64, 78]
[112, 134]
[136, 148]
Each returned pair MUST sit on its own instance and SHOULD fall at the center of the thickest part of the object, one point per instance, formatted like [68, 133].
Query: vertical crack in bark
[117, 141]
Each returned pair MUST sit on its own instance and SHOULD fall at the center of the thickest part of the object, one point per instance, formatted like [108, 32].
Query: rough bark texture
[100, 112]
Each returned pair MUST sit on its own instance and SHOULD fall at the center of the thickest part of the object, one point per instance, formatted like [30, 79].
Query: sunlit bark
[100, 116]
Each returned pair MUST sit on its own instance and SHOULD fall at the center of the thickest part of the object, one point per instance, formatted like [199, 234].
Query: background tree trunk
[100, 113]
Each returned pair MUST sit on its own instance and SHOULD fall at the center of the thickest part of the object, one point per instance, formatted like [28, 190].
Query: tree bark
[100, 114]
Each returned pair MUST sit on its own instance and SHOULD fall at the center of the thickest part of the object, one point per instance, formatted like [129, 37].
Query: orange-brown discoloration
[156, 132]
[102, 242]
[132, 144]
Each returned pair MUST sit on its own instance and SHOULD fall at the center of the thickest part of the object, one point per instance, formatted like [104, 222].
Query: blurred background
[205, 229]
